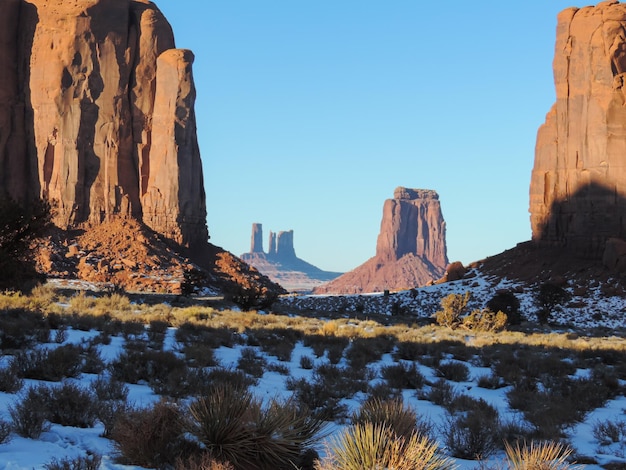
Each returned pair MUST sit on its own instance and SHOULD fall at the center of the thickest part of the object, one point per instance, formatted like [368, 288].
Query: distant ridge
[281, 264]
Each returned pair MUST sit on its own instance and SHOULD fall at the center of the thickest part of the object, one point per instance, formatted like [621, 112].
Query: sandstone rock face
[281, 264]
[578, 185]
[410, 251]
[83, 85]
[257, 239]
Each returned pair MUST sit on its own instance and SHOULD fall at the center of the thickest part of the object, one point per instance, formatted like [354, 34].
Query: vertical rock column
[256, 245]
[174, 202]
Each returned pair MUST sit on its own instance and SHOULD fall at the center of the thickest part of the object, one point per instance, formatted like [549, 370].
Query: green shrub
[507, 303]
[234, 427]
[549, 298]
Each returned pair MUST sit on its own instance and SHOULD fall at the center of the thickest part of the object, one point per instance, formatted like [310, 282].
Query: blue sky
[310, 114]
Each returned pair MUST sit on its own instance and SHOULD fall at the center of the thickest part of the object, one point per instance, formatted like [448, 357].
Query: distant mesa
[281, 264]
[411, 248]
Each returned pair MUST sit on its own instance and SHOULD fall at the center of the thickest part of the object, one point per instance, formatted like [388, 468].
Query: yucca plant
[371, 446]
[538, 456]
[400, 419]
[234, 427]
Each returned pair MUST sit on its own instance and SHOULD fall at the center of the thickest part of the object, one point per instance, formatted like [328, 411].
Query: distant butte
[411, 247]
[281, 264]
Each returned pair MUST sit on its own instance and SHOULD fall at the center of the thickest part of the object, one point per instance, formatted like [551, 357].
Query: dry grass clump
[91, 461]
[538, 456]
[402, 420]
[372, 446]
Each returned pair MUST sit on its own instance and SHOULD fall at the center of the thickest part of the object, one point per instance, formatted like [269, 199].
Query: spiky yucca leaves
[539, 456]
[400, 419]
[235, 427]
[375, 446]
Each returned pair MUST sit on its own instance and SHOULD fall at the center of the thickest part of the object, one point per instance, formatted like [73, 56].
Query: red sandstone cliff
[411, 247]
[96, 114]
[578, 186]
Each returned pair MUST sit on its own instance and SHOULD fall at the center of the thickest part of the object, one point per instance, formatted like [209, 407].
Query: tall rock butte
[97, 115]
[411, 248]
[578, 184]
[281, 264]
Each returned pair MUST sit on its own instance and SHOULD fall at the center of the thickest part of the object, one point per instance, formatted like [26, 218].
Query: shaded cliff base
[125, 254]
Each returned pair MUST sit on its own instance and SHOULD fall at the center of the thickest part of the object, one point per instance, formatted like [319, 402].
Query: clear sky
[311, 112]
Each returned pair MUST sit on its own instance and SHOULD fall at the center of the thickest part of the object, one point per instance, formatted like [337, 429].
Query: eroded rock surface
[411, 249]
[96, 114]
[578, 186]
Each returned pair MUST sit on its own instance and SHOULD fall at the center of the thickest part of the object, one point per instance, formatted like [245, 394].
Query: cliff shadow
[583, 222]
[24, 114]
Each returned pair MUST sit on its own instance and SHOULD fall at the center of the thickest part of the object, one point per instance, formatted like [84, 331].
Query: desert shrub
[150, 437]
[453, 307]
[403, 376]
[156, 333]
[5, 431]
[161, 369]
[278, 368]
[490, 381]
[21, 224]
[92, 361]
[402, 420]
[410, 351]
[278, 342]
[441, 393]
[30, 415]
[549, 298]
[199, 355]
[109, 411]
[474, 433]
[91, 461]
[227, 377]
[372, 446]
[609, 431]
[382, 391]
[189, 333]
[252, 298]
[538, 455]
[363, 351]
[485, 320]
[333, 345]
[10, 381]
[49, 364]
[251, 363]
[21, 329]
[133, 330]
[452, 370]
[234, 427]
[507, 303]
[71, 405]
[306, 362]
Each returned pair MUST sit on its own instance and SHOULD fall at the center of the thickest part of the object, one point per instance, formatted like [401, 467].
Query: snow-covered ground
[61, 442]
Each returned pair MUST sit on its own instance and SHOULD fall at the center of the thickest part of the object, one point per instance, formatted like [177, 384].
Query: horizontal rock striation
[97, 115]
[578, 184]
